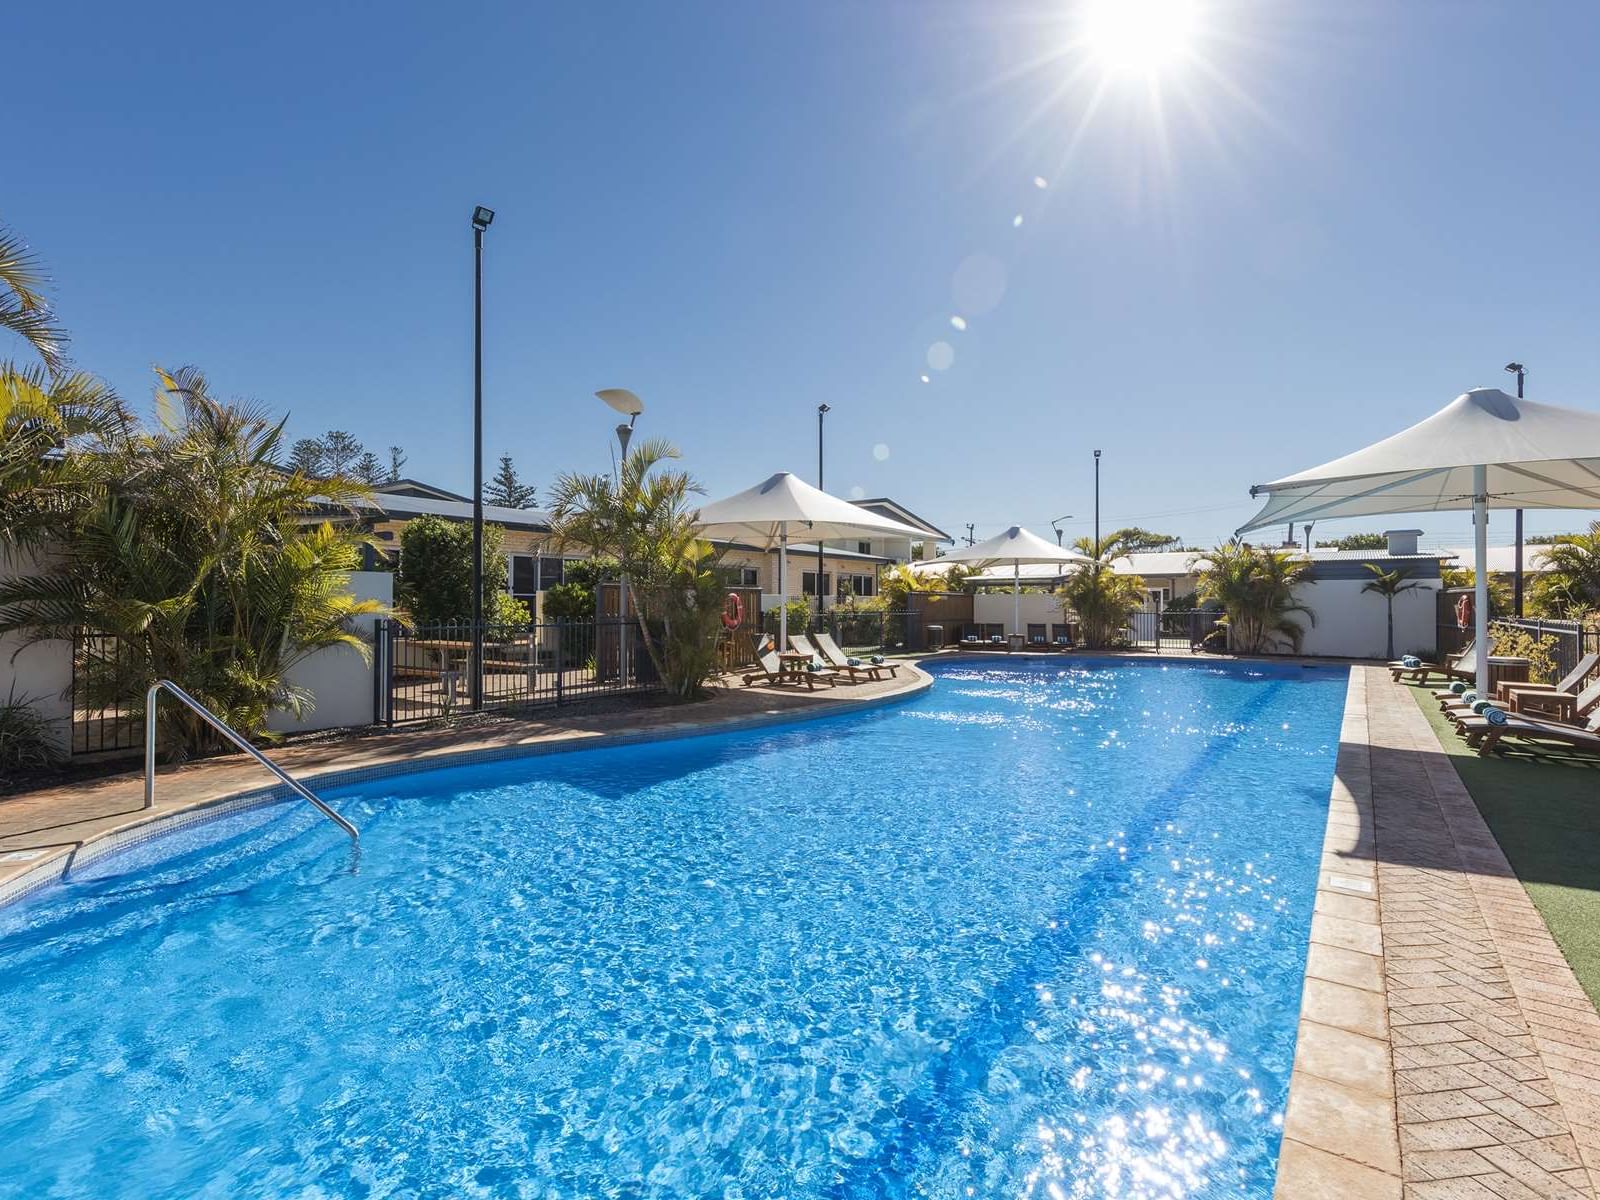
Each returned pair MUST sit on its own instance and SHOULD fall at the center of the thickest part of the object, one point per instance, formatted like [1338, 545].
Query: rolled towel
[1496, 716]
[853, 661]
[877, 660]
[1410, 660]
[1458, 687]
[1481, 706]
[1468, 696]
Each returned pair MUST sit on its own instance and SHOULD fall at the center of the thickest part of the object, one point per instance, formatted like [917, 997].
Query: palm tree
[644, 518]
[1574, 561]
[195, 553]
[23, 308]
[1103, 600]
[1255, 588]
[1389, 584]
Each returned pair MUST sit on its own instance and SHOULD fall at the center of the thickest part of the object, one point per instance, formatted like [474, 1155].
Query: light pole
[1520, 372]
[822, 410]
[481, 219]
[1097, 504]
[1056, 525]
[630, 406]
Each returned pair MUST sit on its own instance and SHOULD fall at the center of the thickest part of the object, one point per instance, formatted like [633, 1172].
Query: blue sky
[1347, 214]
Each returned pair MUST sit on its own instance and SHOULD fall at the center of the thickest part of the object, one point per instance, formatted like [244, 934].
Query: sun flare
[1139, 37]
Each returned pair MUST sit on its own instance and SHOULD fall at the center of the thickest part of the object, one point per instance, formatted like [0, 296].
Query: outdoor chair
[836, 657]
[1583, 704]
[1486, 736]
[770, 670]
[1460, 665]
[1519, 696]
[804, 645]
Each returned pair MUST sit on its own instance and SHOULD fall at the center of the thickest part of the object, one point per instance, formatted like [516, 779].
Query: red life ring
[733, 611]
[1463, 611]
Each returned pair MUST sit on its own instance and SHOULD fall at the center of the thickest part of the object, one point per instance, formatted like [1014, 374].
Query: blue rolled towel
[1410, 660]
[1458, 687]
[1481, 706]
[877, 660]
[853, 661]
[1468, 696]
[1496, 716]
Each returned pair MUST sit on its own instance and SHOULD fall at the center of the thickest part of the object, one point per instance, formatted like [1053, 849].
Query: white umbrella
[762, 516]
[1483, 450]
[1015, 547]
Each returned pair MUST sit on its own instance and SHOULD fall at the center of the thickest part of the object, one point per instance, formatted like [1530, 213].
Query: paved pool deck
[1445, 1048]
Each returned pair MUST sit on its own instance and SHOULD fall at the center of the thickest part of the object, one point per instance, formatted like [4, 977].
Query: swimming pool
[1039, 931]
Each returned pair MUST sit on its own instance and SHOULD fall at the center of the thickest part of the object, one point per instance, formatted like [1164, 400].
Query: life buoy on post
[733, 611]
[1463, 612]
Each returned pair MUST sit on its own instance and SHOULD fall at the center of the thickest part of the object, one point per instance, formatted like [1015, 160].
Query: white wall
[340, 680]
[1352, 623]
[40, 673]
[995, 608]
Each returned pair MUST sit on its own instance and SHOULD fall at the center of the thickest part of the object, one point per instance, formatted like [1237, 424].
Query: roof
[900, 512]
[401, 507]
[1502, 560]
[415, 487]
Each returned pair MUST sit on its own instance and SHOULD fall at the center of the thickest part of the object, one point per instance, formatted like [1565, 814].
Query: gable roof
[415, 487]
[896, 511]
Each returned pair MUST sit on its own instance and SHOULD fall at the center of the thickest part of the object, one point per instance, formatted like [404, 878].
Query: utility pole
[969, 533]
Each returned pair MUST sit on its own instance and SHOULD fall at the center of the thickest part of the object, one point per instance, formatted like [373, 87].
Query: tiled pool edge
[56, 863]
[1340, 1135]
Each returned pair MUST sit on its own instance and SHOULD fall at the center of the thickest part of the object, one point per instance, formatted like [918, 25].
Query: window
[863, 585]
[551, 572]
[749, 577]
[808, 583]
[863, 547]
[1036, 635]
[1156, 598]
[524, 575]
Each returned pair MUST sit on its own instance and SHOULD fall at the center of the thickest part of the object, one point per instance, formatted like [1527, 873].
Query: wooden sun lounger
[802, 643]
[1581, 706]
[837, 658]
[1460, 666]
[771, 671]
[1486, 737]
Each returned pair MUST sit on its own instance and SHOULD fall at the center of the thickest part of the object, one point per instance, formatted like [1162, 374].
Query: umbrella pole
[1016, 596]
[783, 587]
[1480, 573]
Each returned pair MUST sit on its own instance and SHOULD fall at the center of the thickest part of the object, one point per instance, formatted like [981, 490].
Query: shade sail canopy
[1483, 450]
[1015, 546]
[1537, 455]
[784, 505]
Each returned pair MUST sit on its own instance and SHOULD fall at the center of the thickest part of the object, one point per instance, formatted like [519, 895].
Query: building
[536, 562]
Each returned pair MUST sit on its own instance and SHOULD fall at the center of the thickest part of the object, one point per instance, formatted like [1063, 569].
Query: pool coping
[388, 759]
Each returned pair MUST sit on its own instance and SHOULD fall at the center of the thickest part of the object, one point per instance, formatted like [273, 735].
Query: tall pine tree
[506, 489]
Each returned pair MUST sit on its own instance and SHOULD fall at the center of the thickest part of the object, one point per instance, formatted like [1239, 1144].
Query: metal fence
[425, 672]
[1570, 640]
[875, 631]
[1186, 629]
[107, 709]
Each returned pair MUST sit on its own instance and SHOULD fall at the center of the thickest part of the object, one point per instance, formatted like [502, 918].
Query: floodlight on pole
[481, 219]
[1056, 525]
[625, 402]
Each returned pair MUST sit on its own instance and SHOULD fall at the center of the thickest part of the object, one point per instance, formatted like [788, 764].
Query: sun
[1139, 37]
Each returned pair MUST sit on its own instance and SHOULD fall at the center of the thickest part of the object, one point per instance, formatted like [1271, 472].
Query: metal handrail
[226, 731]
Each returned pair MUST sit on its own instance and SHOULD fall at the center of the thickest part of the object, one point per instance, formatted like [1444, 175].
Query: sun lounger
[1458, 666]
[835, 657]
[804, 645]
[1581, 706]
[1519, 696]
[771, 671]
[1486, 736]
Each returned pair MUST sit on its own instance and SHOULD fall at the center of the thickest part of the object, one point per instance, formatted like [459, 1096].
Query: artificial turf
[1545, 813]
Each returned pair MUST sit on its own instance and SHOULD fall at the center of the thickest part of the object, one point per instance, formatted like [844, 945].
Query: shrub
[434, 581]
[1103, 601]
[1254, 587]
[27, 740]
[1519, 643]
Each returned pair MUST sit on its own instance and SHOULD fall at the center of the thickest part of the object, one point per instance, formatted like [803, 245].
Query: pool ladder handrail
[233, 736]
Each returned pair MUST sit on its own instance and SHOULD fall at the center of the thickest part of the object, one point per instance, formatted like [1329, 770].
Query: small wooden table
[793, 662]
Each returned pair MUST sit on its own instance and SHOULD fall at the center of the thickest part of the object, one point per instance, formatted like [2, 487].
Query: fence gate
[107, 712]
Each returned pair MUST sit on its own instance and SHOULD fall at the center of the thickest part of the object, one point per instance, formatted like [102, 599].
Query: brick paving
[1492, 1049]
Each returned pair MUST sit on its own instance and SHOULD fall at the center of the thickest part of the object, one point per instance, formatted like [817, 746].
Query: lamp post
[1097, 504]
[1056, 525]
[481, 219]
[1520, 372]
[822, 410]
[630, 406]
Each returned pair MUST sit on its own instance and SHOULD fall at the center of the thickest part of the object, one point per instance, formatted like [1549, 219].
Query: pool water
[1037, 932]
